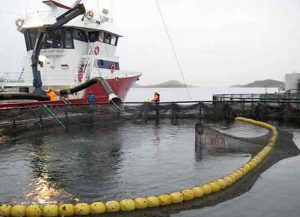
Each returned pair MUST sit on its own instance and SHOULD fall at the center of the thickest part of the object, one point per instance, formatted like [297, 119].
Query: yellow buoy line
[53, 210]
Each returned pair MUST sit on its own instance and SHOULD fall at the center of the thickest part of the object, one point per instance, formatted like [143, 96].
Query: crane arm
[60, 21]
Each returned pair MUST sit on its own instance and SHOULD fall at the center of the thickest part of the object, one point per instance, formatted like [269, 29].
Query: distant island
[263, 83]
[167, 84]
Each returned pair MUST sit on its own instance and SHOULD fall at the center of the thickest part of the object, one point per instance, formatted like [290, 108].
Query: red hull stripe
[120, 87]
[57, 4]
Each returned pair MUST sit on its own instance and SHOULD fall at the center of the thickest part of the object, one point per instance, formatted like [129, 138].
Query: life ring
[112, 67]
[80, 76]
[96, 50]
[90, 15]
[19, 23]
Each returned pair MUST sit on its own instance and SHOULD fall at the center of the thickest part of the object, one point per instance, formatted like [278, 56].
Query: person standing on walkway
[91, 99]
[156, 100]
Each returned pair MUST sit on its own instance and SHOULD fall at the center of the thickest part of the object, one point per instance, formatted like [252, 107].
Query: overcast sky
[218, 42]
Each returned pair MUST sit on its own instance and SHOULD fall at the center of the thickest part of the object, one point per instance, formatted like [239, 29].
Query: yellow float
[127, 205]
[112, 206]
[141, 203]
[97, 208]
[66, 210]
[18, 211]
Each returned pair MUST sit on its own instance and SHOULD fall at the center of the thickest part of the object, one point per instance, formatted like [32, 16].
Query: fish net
[66, 114]
[210, 139]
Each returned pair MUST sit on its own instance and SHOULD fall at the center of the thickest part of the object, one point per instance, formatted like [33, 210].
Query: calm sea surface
[195, 93]
[115, 161]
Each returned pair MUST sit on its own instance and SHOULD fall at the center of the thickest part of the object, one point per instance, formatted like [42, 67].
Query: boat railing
[290, 95]
[233, 97]
[12, 79]
[122, 73]
[88, 65]
[7, 78]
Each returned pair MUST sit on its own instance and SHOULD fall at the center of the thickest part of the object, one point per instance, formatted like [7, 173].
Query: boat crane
[77, 10]
[85, 46]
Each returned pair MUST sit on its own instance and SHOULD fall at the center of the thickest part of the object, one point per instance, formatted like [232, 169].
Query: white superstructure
[83, 48]
[292, 81]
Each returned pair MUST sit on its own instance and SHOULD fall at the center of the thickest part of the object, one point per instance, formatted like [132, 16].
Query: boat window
[107, 38]
[106, 64]
[68, 41]
[54, 39]
[114, 40]
[33, 33]
[27, 40]
[61, 38]
[93, 36]
[79, 35]
[101, 36]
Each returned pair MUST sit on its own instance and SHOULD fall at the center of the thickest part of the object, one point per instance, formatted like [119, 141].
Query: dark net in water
[103, 156]
[67, 113]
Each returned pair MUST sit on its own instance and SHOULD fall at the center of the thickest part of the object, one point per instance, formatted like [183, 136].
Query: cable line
[173, 49]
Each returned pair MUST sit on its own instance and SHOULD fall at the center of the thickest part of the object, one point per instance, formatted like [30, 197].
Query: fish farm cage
[221, 107]
[207, 140]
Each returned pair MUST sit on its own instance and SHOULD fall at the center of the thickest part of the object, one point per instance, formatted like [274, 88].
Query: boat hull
[120, 87]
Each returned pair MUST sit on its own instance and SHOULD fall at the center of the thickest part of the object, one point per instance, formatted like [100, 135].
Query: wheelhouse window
[61, 38]
[79, 35]
[113, 40]
[93, 36]
[33, 34]
[101, 37]
[110, 39]
[54, 39]
[107, 38]
[27, 40]
[68, 41]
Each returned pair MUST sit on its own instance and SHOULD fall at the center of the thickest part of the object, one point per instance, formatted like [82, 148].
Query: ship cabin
[81, 49]
[72, 37]
[64, 38]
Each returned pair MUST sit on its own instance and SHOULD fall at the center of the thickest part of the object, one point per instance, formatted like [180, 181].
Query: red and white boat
[72, 54]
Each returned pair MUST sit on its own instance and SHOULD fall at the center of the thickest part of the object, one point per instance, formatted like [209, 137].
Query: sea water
[190, 94]
[114, 161]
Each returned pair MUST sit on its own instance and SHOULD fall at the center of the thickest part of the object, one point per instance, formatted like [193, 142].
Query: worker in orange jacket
[51, 94]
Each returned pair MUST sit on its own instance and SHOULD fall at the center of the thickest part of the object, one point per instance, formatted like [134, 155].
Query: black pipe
[112, 98]
[15, 96]
[79, 87]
